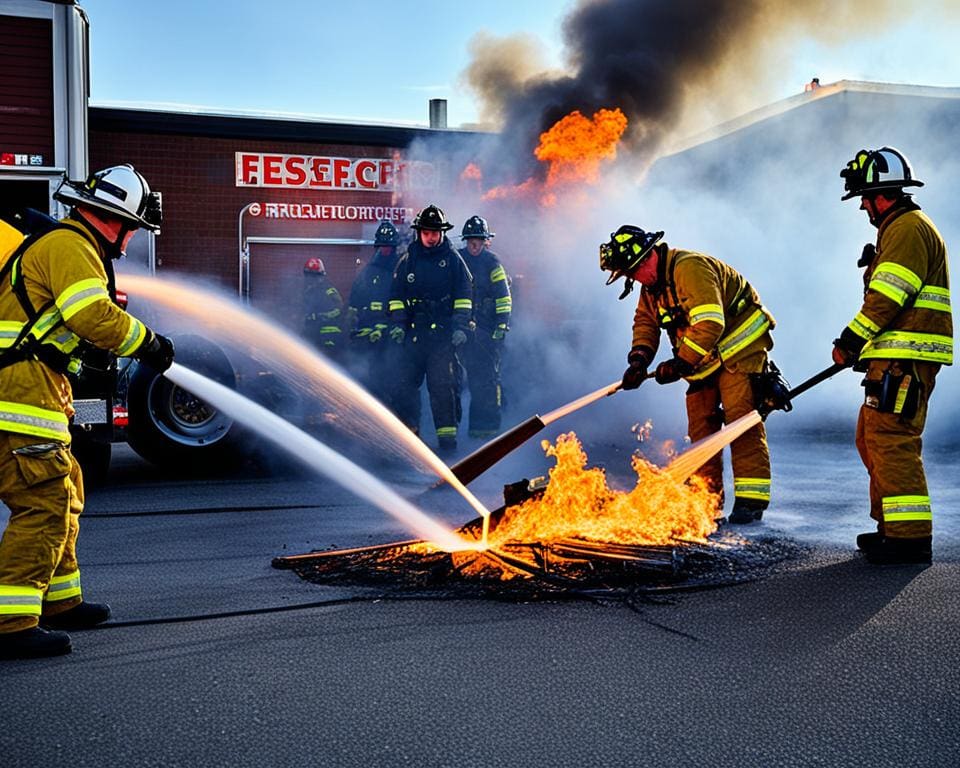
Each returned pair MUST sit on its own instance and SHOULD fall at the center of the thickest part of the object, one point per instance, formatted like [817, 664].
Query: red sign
[316, 172]
[368, 174]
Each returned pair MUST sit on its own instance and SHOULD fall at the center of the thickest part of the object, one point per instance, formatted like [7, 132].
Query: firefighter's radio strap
[28, 345]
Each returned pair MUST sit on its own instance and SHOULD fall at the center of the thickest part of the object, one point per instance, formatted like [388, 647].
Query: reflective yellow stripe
[80, 295]
[864, 327]
[931, 297]
[396, 304]
[463, 304]
[752, 488]
[63, 588]
[136, 335]
[702, 373]
[707, 312]
[446, 431]
[330, 329]
[694, 346]
[745, 334]
[497, 274]
[898, 509]
[895, 281]
[376, 306]
[20, 601]
[910, 345]
[9, 330]
[31, 420]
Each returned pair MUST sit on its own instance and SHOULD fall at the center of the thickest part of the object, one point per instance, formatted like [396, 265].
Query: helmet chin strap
[627, 288]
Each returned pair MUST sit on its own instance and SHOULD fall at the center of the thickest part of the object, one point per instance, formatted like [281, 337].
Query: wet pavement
[215, 658]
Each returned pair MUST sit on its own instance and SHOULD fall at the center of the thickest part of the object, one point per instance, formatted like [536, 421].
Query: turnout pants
[890, 448]
[40, 482]
[482, 357]
[430, 356]
[719, 399]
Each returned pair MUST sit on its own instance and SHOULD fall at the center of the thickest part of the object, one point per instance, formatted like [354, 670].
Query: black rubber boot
[447, 446]
[901, 552]
[867, 541]
[744, 512]
[33, 643]
[81, 616]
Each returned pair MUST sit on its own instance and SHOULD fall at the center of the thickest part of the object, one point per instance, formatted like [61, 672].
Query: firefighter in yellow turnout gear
[57, 292]
[900, 337]
[719, 332]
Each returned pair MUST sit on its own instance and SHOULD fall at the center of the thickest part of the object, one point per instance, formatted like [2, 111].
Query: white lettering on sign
[374, 174]
[318, 212]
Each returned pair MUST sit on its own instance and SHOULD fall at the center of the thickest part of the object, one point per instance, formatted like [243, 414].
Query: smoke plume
[669, 66]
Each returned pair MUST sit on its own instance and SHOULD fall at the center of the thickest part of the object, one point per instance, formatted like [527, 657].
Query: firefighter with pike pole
[369, 318]
[900, 337]
[720, 334]
[57, 293]
[482, 355]
[431, 305]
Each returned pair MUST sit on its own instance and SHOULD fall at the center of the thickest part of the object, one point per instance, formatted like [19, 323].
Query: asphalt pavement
[214, 658]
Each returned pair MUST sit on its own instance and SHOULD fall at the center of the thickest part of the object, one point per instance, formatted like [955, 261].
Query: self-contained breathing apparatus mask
[897, 392]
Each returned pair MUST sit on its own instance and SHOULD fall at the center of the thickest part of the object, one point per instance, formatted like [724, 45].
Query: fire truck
[254, 195]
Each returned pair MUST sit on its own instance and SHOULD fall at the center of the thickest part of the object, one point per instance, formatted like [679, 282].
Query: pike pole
[487, 455]
[698, 454]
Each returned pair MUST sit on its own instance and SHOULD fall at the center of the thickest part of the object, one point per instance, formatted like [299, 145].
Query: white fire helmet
[118, 191]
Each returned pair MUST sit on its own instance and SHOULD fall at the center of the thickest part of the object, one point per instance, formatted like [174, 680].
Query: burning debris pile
[567, 537]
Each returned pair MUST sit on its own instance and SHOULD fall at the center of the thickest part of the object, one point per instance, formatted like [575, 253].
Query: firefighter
[369, 319]
[57, 292]
[323, 307]
[483, 353]
[719, 333]
[430, 310]
[899, 338]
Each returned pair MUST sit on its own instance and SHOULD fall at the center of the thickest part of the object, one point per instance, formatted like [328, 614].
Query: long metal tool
[698, 454]
[489, 454]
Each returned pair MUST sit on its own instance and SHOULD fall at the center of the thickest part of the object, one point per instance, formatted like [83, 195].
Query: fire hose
[776, 397]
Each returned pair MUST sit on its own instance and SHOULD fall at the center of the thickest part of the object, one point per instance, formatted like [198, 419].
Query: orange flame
[578, 504]
[471, 173]
[574, 148]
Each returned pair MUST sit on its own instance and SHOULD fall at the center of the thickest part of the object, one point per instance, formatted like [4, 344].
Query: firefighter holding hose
[719, 333]
[57, 292]
[900, 337]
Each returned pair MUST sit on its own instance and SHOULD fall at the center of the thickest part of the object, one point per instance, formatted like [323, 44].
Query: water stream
[358, 412]
[318, 456]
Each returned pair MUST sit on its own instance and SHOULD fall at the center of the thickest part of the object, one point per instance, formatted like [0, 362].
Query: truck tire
[172, 428]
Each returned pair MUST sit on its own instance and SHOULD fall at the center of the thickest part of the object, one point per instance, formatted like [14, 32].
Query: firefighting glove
[846, 349]
[376, 334]
[156, 352]
[637, 361]
[499, 332]
[459, 338]
[397, 334]
[867, 255]
[673, 370]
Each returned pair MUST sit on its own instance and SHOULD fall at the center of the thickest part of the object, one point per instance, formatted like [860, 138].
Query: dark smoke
[654, 60]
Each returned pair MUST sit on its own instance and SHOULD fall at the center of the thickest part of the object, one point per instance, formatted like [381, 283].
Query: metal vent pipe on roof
[438, 113]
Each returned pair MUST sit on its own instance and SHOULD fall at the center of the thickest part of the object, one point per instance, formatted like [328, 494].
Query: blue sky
[381, 61]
